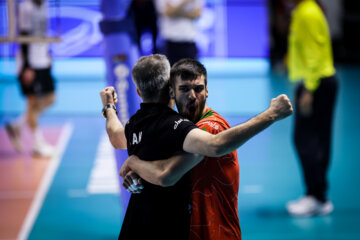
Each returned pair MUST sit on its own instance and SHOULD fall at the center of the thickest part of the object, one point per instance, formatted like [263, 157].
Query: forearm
[231, 139]
[178, 166]
[200, 142]
[115, 130]
[151, 172]
[164, 172]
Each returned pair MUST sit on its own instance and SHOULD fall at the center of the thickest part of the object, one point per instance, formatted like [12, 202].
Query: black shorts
[42, 85]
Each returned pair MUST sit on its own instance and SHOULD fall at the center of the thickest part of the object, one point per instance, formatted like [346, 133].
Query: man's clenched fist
[108, 96]
[281, 107]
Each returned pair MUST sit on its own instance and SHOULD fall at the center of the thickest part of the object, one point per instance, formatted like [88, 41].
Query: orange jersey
[215, 185]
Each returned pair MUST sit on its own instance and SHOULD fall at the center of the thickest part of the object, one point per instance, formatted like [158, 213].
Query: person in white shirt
[34, 75]
[177, 27]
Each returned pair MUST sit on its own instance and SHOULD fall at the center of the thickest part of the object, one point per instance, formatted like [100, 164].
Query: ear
[206, 92]
[171, 93]
[138, 92]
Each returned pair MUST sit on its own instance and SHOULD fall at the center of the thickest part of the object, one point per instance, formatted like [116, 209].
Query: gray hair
[151, 76]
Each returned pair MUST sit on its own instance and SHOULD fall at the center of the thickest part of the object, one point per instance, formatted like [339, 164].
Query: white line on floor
[46, 182]
[104, 178]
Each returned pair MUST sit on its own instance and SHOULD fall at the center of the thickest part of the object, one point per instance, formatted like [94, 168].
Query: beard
[192, 111]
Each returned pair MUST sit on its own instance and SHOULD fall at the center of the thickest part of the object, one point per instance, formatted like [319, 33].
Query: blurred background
[242, 43]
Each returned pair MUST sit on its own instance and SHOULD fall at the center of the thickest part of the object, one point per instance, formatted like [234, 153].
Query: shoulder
[168, 118]
[175, 127]
[213, 122]
[133, 120]
[136, 115]
[210, 126]
[170, 114]
[177, 121]
[309, 11]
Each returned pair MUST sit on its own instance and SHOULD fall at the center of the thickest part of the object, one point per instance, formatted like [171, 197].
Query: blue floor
[269, 171]
[69, 211]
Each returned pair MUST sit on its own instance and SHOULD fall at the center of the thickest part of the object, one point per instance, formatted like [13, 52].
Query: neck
[158, 101]
[204, 110]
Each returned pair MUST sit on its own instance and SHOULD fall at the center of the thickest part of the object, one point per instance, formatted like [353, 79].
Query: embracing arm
[114, 127]
[161, 172]
[201, 142]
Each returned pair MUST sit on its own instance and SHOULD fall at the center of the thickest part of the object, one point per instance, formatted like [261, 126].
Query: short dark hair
[187, 69]
[151, 76]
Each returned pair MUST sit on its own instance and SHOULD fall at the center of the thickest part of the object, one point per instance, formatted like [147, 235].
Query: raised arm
[165, 172]
[201, 142]
[114, 127]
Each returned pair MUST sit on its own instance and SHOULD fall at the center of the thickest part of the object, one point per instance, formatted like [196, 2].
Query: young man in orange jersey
[214, 200]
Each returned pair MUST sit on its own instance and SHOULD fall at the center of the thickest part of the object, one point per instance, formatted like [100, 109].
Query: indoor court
[75, 194]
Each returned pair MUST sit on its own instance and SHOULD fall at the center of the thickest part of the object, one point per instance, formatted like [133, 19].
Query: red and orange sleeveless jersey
[215, 185]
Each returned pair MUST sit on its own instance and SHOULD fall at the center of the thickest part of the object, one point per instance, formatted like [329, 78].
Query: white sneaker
[43, 149]
[14, 133]
[309, 206]
[326, 208]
